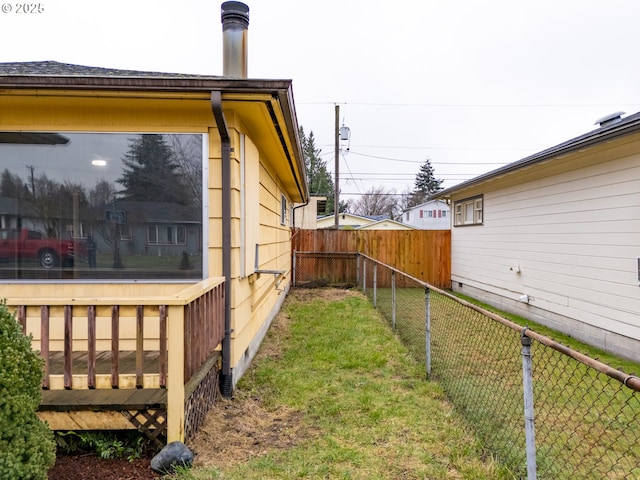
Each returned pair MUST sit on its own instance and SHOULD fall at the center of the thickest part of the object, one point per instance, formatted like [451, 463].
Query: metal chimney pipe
[235, 21]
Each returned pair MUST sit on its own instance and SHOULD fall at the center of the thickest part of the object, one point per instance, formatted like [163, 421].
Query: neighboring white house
[431, 215]
[555, 237]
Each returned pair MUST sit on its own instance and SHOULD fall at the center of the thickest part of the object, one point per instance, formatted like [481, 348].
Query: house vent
[609, 119]
[235, 22]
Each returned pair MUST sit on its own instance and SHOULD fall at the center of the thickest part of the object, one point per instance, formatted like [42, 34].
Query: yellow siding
[256, 296]
[93, 111]
[253, 298]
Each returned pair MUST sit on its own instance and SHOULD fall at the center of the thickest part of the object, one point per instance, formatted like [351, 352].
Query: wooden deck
[143, 362]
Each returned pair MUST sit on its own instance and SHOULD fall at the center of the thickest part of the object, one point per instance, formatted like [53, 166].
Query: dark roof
[50, 74]
[155, 212]
[377, 218]
[625, 126]
[58, 69]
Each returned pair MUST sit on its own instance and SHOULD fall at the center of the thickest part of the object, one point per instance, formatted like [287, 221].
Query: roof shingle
[58, 69]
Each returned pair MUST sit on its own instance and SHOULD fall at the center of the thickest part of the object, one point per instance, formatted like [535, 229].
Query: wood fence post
[175, 374]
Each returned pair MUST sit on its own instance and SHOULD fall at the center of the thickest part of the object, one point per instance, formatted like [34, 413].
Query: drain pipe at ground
[226, 379]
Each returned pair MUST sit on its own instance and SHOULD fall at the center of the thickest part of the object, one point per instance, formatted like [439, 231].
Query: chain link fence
[541, 409]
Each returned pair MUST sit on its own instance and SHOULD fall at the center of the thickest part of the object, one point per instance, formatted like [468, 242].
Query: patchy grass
[586, 423]
[334, 394]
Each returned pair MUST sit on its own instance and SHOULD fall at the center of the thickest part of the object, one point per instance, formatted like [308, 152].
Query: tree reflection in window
[149, 181]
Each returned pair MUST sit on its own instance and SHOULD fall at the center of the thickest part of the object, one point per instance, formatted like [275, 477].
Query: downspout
[235, 20]
[297, 207]
[226, 379]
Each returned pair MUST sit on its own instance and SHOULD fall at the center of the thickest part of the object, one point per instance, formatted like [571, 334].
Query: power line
[344, 157]
[423, 161]
[431, 147]
[474, 105]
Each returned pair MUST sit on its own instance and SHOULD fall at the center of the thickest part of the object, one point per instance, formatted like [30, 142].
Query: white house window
[468, 211]
[106, 206]
[166, 234]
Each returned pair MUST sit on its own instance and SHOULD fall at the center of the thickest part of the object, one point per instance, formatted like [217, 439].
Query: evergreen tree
[426, 184]
[12, 185]
[151, 173]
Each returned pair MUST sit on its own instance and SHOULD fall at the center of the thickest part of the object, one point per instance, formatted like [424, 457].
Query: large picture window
[112, 206]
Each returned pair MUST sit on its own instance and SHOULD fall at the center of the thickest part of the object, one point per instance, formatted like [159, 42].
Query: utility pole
[336, 193]
[33, 182]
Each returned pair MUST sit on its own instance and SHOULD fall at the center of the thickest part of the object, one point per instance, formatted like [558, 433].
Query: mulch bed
[90, 467]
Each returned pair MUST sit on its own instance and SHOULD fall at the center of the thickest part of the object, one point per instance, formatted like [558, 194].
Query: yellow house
[387, 224]
[144, 231]
[345, 220]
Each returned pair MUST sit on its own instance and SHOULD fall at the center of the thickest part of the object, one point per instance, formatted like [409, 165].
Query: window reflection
[100, 206]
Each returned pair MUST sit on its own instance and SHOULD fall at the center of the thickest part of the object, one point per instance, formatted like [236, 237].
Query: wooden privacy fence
[423, 254]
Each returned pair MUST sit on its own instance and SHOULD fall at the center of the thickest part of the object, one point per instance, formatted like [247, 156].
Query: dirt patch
[328, 294]
[239, 429]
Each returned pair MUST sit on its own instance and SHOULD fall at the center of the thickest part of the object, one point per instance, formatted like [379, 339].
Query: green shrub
[106, 444]
[27, 449]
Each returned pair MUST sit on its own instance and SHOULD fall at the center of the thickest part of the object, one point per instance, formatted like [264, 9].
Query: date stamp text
[21, 8]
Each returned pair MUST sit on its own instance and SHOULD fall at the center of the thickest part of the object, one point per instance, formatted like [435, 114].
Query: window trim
[283, 209]
[126, 235]
[460, 208]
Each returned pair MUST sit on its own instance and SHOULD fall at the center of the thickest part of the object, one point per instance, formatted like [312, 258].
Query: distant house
[431, 215]
[555, 237]
[348, 220]
[185, 183]
[386, 224]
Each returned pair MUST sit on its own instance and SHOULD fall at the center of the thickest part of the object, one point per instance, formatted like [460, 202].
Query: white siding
[567, 235]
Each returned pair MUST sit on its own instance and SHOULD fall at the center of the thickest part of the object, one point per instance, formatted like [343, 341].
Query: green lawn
[333, 393]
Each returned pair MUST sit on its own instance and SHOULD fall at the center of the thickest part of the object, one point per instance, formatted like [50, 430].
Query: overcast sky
[469, 85]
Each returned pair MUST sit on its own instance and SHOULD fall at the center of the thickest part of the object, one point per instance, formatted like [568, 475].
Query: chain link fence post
[427, 307]
[529, 420]
[393, 300]
[364, 276]
[375, 285]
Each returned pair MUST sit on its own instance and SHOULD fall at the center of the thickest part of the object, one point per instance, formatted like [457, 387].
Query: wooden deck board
[102, 400]
[126, 361]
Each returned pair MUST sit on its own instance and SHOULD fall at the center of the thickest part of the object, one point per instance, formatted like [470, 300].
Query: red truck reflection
[25, 244]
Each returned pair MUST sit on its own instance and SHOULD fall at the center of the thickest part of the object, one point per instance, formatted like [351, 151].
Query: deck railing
[152, 342]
